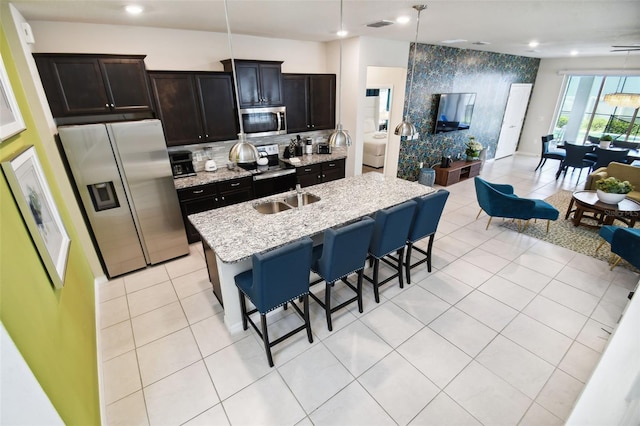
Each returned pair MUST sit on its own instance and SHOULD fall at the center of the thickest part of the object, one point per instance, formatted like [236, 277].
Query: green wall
[55, 330]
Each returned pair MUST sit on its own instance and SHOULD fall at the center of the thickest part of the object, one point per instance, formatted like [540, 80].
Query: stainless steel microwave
[267, 121]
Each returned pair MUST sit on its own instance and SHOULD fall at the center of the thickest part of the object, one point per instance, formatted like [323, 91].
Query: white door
[513, 119]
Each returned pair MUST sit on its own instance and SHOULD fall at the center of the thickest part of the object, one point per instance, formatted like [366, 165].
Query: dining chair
[277, 277]
[606, 156]
[342, 253]
[575, 157]
[424, 224]
[390, 233]
[547, 153]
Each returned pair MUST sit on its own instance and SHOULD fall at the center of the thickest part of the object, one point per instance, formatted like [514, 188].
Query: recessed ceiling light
[403, 20]
[455, 40]
[134, 9]
[481, 43]
[533, 44]
[342, 33]
[574, 53]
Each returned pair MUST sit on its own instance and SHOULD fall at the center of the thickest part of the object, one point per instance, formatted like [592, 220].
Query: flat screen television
[454, 111]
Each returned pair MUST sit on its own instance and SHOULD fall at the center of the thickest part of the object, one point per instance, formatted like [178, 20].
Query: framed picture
[11, 121]
[35, 201]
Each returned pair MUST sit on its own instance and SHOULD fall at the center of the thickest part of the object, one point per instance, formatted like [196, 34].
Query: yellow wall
[55, 330]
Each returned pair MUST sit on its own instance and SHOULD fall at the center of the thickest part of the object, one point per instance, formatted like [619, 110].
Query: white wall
[612, 394]
[170, 49]
[548, 88]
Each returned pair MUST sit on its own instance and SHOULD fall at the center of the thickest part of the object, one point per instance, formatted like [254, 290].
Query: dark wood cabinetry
[94, 84]
[320, 172]
[195, 107]
[310, 101]
[259, 82]
[201, 198]
[459, 170]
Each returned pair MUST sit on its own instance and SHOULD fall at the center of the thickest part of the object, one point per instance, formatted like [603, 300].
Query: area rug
[562, 232]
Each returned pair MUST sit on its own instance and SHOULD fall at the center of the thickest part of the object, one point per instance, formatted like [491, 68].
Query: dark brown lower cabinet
[320, 172]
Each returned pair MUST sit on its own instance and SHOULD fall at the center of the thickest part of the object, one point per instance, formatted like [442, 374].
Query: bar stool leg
[400, 254]
[265, 338]
[307, 321]
[359, 287]
[327, 305]
[407, 265]
[243, 308]
[376, 293]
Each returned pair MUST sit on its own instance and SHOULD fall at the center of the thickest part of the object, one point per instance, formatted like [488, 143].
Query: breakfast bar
[231, 235]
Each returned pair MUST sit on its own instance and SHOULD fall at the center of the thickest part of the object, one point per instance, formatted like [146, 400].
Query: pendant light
[242, 152]
[406, 128]
[340, 137]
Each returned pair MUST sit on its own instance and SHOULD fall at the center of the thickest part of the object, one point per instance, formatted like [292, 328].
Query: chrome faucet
[299, 195]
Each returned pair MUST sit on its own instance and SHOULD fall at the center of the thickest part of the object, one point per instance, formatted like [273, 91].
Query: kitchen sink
[271, 207]
[291, 202]
[306, 198]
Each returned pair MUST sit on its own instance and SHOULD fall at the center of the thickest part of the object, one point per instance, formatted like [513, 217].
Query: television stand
[459, 170]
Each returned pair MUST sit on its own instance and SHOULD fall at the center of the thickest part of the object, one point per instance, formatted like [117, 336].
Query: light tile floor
[506, 329]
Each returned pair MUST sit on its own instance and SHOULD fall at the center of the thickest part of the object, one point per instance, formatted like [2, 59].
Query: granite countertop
[238, 231]
[203, 178]
[223, 173]
[308, 159]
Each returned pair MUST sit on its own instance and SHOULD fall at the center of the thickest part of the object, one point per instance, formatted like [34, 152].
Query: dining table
[632, 155]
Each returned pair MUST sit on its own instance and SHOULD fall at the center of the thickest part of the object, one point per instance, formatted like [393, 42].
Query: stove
[273, 178]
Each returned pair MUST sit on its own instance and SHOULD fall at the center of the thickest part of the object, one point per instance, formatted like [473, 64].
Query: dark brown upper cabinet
[259, 82]
[310, 100]
[195, 107]
[85, 84]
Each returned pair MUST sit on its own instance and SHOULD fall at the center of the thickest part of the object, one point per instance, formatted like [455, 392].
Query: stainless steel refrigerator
[124, 179]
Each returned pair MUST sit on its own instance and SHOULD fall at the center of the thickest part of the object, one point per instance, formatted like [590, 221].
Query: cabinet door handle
[206, 136]
[235, 184]
[198, 192]
[307, 170]
[319, 176]
[114, 105]
[332, 164]
[222, 198]
[199, 136]
[106, 105]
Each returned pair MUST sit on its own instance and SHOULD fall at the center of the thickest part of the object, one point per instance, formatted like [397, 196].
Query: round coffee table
[626, 211]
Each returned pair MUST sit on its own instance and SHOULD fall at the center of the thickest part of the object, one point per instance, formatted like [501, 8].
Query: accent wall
[54, 330]
[440, 69]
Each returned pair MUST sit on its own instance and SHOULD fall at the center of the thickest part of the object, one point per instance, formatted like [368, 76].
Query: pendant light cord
[415, 48]
[233, 67]
[340, 71]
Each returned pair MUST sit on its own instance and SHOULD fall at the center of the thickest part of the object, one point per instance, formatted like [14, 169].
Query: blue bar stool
[424, 224]
[389, 235]
[277, 278]
[343, 252]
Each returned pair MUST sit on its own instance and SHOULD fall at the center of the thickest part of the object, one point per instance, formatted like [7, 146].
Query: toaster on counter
[324, 148]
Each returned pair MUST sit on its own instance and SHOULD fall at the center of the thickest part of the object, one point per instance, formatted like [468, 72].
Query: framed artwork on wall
[40, 214]
[11, 121]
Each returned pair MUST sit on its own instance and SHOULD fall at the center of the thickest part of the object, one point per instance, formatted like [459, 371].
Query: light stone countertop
[223, 173]
[238, 231]
[203, 178]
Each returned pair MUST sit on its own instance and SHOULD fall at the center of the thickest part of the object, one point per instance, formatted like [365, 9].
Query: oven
[272, 178]
[273, 182]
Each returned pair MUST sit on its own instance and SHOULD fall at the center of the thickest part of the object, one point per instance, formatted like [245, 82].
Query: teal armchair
[499, 200]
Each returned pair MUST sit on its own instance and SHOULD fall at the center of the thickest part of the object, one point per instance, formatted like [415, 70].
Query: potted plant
[473, 149]
[612, 190]
[605, 141]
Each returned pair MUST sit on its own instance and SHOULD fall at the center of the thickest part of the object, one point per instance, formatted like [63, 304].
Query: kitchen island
[231, 235]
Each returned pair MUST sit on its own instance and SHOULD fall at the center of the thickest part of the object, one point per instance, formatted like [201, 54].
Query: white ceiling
[589, 27]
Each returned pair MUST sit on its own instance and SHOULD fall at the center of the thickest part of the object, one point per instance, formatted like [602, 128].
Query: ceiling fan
[627, 48]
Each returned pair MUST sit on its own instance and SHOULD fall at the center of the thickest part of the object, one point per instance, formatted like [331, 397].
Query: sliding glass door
[584, 114]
